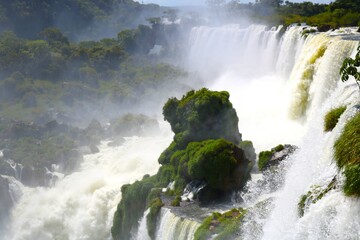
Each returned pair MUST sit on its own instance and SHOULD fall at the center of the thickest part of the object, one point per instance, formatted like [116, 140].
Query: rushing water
[281, 91]
[281, 87]
[82, 205]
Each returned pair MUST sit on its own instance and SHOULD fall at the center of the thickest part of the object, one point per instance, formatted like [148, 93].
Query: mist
[82, 91]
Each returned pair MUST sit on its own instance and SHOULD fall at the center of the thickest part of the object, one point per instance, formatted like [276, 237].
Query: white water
[257, 70]
[82, 205]
[172, 227]
[277, 104]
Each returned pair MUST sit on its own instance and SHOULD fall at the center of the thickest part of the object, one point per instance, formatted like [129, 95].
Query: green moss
[264, 158]
[300, 105]
[332, 118]
[215, 161]
[201, 115]
[301, 205]
[131, 207]
[152, 218]
[315, 194]
[347, 146]
[279, 148]
[225, 225]
[352, 182]
[176, 202]
[318, 54]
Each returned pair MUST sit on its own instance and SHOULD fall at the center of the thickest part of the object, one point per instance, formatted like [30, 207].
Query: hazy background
[202, 2]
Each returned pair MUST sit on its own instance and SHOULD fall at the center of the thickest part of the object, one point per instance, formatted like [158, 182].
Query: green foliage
[152, 218]
[264, 158]
[332, 118]
[217, 162]
[176, 202]
[198, 116]
[349, 68]
[315, 194]
[352, 182]
[347, 146]
[347, 155]
[132, 124]
[224, 226]
[131, 207]
[301, 103]
[29, 17]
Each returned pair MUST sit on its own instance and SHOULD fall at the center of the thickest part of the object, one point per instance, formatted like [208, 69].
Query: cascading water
[172, 227]
[285, 101]
[82, 204]
[281, 89]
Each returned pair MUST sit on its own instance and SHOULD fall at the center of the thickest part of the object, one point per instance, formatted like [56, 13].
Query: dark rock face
[324, 28]
[5, 201]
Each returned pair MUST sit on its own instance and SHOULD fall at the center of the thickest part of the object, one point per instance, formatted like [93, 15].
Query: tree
[215, 3]
[349, 68]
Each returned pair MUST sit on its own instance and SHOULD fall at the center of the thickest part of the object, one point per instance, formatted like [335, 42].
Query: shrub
[131, 207]
[151, 219]
[264, 158]
[176, 202]
[347, 155]
[332, 118]
[225, 225]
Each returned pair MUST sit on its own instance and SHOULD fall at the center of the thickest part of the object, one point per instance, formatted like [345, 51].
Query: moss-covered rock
[152, 218]
[131, 207]
[221, 226]
[202, 115]
[315, 194]
[332, 118]
[274, 156]
[204, 148]
[347, 155]
[249, 149]
[176, 202]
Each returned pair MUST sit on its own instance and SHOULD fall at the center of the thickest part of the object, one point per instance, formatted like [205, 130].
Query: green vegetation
[29, 17]
[151, 219]
[176, 202]
[208, 156]
[349, 68]
[131, 207]
[275, 12]
[265, 156]
[332, 118]
[225, 225]
[347, 155]
[314, 195]
[301, 103]
[132, 124]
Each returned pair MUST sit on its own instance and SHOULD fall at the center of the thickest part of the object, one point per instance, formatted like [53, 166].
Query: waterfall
[82, 204]
[281, 88]
[172, 227]
[285, 101]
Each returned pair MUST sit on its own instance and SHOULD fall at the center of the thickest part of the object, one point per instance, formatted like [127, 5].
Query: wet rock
[324, 28]
[34, 177]
[275, 156]
[5, 201]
